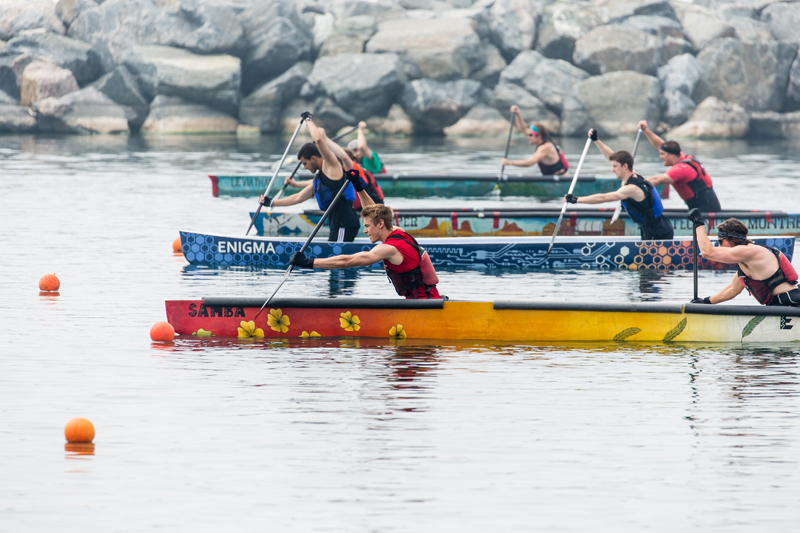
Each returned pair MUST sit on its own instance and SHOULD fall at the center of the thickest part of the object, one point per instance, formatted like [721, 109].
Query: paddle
[275, 174]
[618, 210]
[508, 144]
[571, 188]
[694, 259]
[283, 189]
[308, 241]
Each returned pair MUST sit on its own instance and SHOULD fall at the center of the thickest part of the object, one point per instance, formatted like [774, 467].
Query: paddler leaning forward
[406, 263]
[765, 272]
[639, 198]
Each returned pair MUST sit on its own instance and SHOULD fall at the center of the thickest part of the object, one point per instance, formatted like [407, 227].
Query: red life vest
[761, 289]
[371, 186]
[558, 168]
[415, 277]
[701, 182]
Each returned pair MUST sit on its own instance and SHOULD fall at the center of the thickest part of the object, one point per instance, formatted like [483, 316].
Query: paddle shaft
[694, 259]
[618, 210]
[275, 175]
[283, 189]
[571, 188]
[322, 220]
[508, 144]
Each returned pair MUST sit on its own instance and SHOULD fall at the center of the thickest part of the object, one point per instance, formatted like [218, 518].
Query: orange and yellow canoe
[505, 320]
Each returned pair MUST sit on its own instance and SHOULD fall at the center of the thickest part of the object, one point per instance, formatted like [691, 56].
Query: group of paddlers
[764, 272]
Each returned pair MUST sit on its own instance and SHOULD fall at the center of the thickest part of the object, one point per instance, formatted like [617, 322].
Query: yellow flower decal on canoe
[306, 334]
[349, 321]
[397, 332]
[249, 329]
[202, 333]
[278, 321]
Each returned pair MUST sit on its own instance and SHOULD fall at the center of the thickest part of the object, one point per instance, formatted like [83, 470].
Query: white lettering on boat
[248, 247]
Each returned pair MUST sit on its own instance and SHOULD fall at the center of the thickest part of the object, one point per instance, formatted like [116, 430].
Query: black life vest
[648, 212]
[557, 168]
[761, 289]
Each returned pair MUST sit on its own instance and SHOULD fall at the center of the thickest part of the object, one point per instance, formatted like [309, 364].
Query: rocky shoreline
[708, 69]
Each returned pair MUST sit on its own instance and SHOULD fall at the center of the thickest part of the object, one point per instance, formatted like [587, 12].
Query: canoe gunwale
[741, 310]
[324, 303]
[644, 307]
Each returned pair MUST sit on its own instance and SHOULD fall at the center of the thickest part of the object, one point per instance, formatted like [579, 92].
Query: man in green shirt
[365, 157]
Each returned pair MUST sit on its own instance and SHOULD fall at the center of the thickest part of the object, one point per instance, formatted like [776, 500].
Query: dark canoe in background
[488, 253]
[398, 320]
[441, 185]
[510, 222]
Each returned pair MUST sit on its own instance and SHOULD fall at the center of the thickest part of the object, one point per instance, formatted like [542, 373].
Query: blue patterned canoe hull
[495, 253]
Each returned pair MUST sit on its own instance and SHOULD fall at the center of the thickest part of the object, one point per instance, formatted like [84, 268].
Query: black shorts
[343, 234]
[791, 298]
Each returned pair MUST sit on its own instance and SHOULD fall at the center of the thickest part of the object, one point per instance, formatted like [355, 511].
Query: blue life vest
[647, 210]
[325, 189]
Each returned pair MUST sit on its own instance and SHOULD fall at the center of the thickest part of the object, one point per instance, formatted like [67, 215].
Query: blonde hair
[379, 212]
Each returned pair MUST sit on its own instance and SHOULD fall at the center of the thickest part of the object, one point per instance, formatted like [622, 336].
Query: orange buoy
[49, 283]
[176, 245]
[79, 430]
[162, 332]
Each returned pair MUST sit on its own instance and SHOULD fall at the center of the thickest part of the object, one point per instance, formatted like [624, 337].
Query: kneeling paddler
[765, 272]
[408, 266]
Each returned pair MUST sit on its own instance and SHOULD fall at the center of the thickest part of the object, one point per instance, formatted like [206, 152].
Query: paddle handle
[618, 210]
[571, 188]
[508, 145]
[322, 220]
[694, 259]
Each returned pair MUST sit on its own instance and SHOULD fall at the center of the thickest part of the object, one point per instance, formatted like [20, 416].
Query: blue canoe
[442, 185]
[487, 253]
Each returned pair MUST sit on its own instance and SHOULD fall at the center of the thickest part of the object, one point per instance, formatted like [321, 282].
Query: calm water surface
[347, 435]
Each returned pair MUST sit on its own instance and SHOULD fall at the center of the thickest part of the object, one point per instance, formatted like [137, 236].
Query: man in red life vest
[406, 264]
[765, 272]
[686, 174]
[547, 155]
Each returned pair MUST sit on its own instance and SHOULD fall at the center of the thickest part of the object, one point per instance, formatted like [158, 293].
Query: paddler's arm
[377, 254]
[605, 150]
[296, 183]
[294, 199]
[354, 178]
[538, 155]
[626, 191]
[330, 163]
[362, 141]
[731, 291]
[660, 179]
[723, 254]
[654, 139]
[339, 152]
[518, 119]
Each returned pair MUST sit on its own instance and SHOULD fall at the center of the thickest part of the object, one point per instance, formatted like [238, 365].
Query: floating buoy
[79, 430]
[162, 332]
[176, 245]
[49, 283]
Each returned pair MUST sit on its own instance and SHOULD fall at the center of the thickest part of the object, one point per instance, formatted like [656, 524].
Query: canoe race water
[442, 185]
[510, 222]
[489, 253]
[508, 320]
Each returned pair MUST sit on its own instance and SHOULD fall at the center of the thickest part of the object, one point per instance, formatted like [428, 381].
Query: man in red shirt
[686, 174]
[406, 264]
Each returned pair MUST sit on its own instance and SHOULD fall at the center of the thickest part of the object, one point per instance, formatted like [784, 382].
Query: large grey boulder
[214, 80]
[121, 86]
[321, 29]
[330, 116]
[609, 48]
[531, 108]
[13, 117]
[481, 120]
[86, 111]
[361, 95]
[613, 103]
[654, 25]
[753, 75]
[713, 119]
[489, 75]
[73, 55]
[562, 24]
[68, 10]
[438, 48]
[42, 80]
[550, 80]
[746, 24]
[277, 38]
[513, 25]
[172, 114]
[19, 15]
[202, 26]
[783, 19]
[772, 125]
[702, 25]
[434, 105]
[349, 36]
[793, 87]
[397, 122]
[678, 79]
[381, 9]
[263, 108]
[113, 27]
